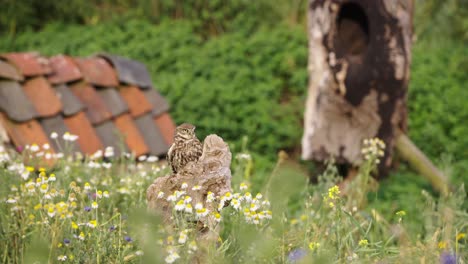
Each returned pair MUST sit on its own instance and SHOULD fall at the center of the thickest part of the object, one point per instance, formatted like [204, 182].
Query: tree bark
[359, 59]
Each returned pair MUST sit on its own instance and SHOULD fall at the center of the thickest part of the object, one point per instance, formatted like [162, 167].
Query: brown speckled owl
[186, 147]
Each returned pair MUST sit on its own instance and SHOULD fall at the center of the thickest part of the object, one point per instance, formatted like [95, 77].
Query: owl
[186, 147]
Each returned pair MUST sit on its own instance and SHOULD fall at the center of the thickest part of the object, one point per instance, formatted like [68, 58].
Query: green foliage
[231, 85]
[209, 18]
[34, 14]
[437, 103]
[442, 20]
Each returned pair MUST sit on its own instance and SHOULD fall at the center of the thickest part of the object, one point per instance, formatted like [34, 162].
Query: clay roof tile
[132, 136]
[56, 124]
[167, 127]
[97, 71]
[24, 133]
[136, 100]
[29, 63]
[160, 105]
[130, 71]
[152, 135]
[96, 108]
[15, 103]
[88, 140]
[71, 104]
[42, 96]
[64, 70]
[113, 100]
[7, 71]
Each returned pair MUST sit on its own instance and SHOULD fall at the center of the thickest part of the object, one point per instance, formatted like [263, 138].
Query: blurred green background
[238, 68]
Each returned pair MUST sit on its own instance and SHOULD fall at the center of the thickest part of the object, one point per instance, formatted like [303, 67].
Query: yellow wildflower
[461, 236]
[314, 245]
[333, 192]
[442, 244]
[92, 223]
[363, 242]
[44, 188]
[400, 213]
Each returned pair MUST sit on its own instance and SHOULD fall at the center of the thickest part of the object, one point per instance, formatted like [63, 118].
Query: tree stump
[211, 173]
[359, 59]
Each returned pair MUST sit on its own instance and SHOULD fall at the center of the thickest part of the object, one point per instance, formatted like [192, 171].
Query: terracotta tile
[7, 71]
[166, 126]
[136, 100]
[131, 134]
[70, 103]
[64, 69]
[43, 97]
[110, 137]
[96, 108]
[29, 63]
[130, 71]
[113, 101]
[25, 133]
[152, 135]
[88, 140]
[15, 103]
[57, 124]
[160, 105]
[97, 71]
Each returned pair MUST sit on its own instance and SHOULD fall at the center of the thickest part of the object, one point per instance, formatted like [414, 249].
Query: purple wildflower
[66, 241]
[87, 208]
[19, 149]
[448, 258]
[92, 195]
[112, 228]
[297, 255]
[128, 239]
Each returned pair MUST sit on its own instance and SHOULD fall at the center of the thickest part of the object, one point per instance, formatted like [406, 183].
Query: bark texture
[359, 59]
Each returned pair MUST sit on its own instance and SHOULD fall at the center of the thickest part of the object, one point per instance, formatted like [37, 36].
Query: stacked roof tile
[105, 100]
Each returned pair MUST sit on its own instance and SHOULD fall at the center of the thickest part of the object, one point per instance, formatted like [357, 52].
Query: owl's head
[185, 131]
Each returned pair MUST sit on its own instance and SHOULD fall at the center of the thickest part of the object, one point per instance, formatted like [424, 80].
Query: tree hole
[353, 31]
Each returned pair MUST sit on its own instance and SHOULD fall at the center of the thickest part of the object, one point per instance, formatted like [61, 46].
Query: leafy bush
[437, 103]
[231, 85]
[209, 18]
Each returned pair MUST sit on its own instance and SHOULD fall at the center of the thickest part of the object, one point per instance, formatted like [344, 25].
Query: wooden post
[359, 59]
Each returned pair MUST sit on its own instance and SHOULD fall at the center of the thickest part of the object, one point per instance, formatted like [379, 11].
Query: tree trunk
[359, 59]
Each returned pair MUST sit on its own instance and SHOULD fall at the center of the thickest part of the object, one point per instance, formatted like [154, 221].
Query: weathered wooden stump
[359, 58]
[211, 173]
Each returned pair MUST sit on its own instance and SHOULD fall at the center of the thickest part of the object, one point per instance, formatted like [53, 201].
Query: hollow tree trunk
[359, 58]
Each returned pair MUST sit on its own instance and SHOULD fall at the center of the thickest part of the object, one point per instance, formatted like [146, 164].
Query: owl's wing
[170, 157]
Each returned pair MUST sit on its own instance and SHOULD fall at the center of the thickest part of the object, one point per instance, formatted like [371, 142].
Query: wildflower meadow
[91, 210]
